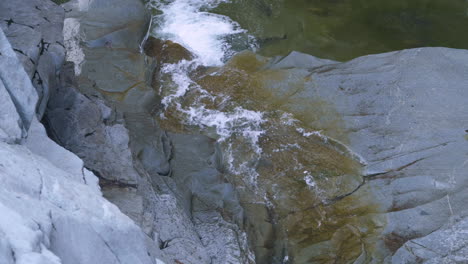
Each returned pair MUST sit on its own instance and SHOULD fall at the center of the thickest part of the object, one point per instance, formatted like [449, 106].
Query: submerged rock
[166, 51]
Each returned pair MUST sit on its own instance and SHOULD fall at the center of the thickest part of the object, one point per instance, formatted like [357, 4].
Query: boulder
[404, 114]
[83, 126]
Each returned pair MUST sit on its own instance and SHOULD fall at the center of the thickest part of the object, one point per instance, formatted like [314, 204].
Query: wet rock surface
[354, 163]
[396, 115]
[166, 51]
[139, 165]
[391, 110]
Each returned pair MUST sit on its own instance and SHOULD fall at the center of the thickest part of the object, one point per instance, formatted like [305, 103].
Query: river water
[345, 29]
[288, 174]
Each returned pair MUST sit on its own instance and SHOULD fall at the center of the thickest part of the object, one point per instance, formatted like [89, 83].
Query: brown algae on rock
[308, 183]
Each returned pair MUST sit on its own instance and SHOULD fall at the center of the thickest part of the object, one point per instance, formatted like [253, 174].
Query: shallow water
[345, 29]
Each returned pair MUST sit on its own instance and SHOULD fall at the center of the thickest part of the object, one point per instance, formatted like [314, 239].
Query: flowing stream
[288, 175]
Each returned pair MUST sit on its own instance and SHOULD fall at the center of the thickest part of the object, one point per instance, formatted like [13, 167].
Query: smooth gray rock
[92, 130]
[447, 245]
[405, 114]
[84, 126]
[40, 144]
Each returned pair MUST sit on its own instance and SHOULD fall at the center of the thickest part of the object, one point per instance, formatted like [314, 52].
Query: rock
[297, 60]
[446, 245]
[44, 209]
[10, 122]
[404, 113]
[166, 51]
[89, 128]
[22, 94]
[209, 198]
[382, 139]
[38, 142]
[98, 39]
[83, 126]
[48, 198]
[34, 29]
[354, 161]
[104, 115]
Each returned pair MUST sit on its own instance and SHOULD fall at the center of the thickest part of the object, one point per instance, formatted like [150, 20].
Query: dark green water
[345, 29]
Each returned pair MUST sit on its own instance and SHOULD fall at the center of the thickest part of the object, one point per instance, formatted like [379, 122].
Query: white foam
[203, 33]
[288, 119]
[309, 180]
[179, 75]
[242, 169]
[313, 133]
[286, 147]
[243, 121]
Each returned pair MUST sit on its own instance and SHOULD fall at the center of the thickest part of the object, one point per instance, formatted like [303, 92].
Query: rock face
[104, 115]
[19, 105]
[48, 198]
[360, 162]
[33, 27]
[404, 115]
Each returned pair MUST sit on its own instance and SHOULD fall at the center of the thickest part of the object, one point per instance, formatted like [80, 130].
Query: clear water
[345, 29]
